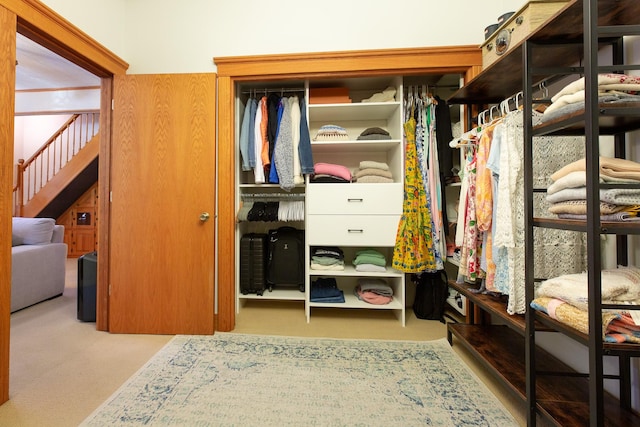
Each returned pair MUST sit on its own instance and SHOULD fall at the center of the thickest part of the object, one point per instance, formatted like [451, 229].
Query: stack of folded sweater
[612, 88]
[327, 258]
[568, 193]
[374, 133]
[370, 260]
[374, 291]
[329, 172]
[331, 133]
[371, 171]
[326, 290]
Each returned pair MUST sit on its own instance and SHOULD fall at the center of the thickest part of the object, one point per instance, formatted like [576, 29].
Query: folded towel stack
[371, 171]
[374, 291]
[331, 133]
[327, 258]
[370, 260]
[326, 290]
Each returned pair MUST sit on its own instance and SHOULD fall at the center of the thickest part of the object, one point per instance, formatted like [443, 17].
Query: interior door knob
[204, 216]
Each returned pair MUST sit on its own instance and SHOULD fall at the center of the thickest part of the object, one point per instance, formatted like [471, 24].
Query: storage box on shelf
[515, 29]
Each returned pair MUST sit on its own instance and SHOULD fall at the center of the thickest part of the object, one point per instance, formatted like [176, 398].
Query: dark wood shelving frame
[566, 397]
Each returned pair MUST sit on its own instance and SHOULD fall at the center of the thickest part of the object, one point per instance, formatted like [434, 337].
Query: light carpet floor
[260, 380]
[61, 369]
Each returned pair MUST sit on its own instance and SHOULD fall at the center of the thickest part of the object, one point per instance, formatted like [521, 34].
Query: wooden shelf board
[614, 119]
[607, 227]
[491, 304]
[564, 400]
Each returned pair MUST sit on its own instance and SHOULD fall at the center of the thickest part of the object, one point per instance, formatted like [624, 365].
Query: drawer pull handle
[354, 200]
[355, 230]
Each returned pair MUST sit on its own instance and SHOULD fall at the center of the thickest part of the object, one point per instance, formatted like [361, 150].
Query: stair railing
[34, 173]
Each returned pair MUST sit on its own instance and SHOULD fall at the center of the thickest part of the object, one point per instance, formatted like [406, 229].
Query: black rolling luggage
[286, 258]
[87, 281]
[253, 263]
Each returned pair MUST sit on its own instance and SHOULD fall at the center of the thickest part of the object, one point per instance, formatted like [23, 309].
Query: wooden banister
[34, 173]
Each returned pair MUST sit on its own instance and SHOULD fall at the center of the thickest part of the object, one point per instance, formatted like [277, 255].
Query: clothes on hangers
[414, 251]
[490, 230]
[264, 119]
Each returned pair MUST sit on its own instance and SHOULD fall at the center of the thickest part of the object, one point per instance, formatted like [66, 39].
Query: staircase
[60, 171]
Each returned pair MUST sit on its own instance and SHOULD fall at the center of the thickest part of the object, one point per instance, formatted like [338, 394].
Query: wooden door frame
[465, 60]
[41, 24]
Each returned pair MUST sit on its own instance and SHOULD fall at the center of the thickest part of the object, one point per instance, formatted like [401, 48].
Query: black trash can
[87, 280]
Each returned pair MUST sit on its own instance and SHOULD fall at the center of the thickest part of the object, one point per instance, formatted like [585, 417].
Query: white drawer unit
[354, 199]
[352, 230]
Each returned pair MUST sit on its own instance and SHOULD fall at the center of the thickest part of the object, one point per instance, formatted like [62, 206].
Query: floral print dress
[413, 251]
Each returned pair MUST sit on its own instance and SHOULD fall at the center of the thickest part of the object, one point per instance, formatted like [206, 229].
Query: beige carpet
[63, 369]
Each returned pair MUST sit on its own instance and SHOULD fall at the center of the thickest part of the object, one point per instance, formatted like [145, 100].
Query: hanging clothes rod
[273, 90]
[272, 195]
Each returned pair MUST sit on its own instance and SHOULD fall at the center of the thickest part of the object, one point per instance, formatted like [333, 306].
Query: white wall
[31, 132]
[57, 101]
[167, 36]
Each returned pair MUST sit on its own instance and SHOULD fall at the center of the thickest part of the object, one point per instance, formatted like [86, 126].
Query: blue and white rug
[251, 380]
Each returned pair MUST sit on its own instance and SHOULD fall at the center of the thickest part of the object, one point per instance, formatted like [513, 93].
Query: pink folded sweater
[332, 169]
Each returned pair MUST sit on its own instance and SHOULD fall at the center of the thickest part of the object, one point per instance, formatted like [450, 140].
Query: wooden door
[162, 180]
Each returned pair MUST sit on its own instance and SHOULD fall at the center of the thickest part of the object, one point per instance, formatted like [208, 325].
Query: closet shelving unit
[551, 388]
[355, 216]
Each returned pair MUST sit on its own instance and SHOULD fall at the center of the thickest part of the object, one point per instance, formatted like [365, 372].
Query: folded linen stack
[374, 291]
[330, 172]
[327, 258]
[387, 95]
[611, 88]
[325, 289]
[370, 260]
[371, 171]
[566, 299]
[568, 193]
[331, 133]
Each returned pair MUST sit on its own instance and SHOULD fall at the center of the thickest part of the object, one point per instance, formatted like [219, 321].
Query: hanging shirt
[258, 170]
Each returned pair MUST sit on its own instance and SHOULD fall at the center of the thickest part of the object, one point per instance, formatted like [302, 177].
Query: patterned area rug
[249, 380]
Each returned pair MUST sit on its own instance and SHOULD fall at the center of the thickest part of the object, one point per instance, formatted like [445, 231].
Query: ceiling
[40, 68]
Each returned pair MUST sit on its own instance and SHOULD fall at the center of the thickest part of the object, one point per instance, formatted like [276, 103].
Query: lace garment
[556, 252]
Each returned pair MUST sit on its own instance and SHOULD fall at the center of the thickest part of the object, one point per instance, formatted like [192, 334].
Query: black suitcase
[286, 258]
[87, 281]
[253, 263]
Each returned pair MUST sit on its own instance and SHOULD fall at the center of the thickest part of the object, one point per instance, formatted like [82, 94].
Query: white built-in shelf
[360, 111]
[292, 294]
[350, 271]
[355, 145]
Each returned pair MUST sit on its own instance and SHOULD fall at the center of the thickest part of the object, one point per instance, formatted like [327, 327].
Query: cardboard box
[518, 27]
[329, 95]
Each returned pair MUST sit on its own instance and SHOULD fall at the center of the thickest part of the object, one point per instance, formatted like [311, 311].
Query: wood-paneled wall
[7, 96]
